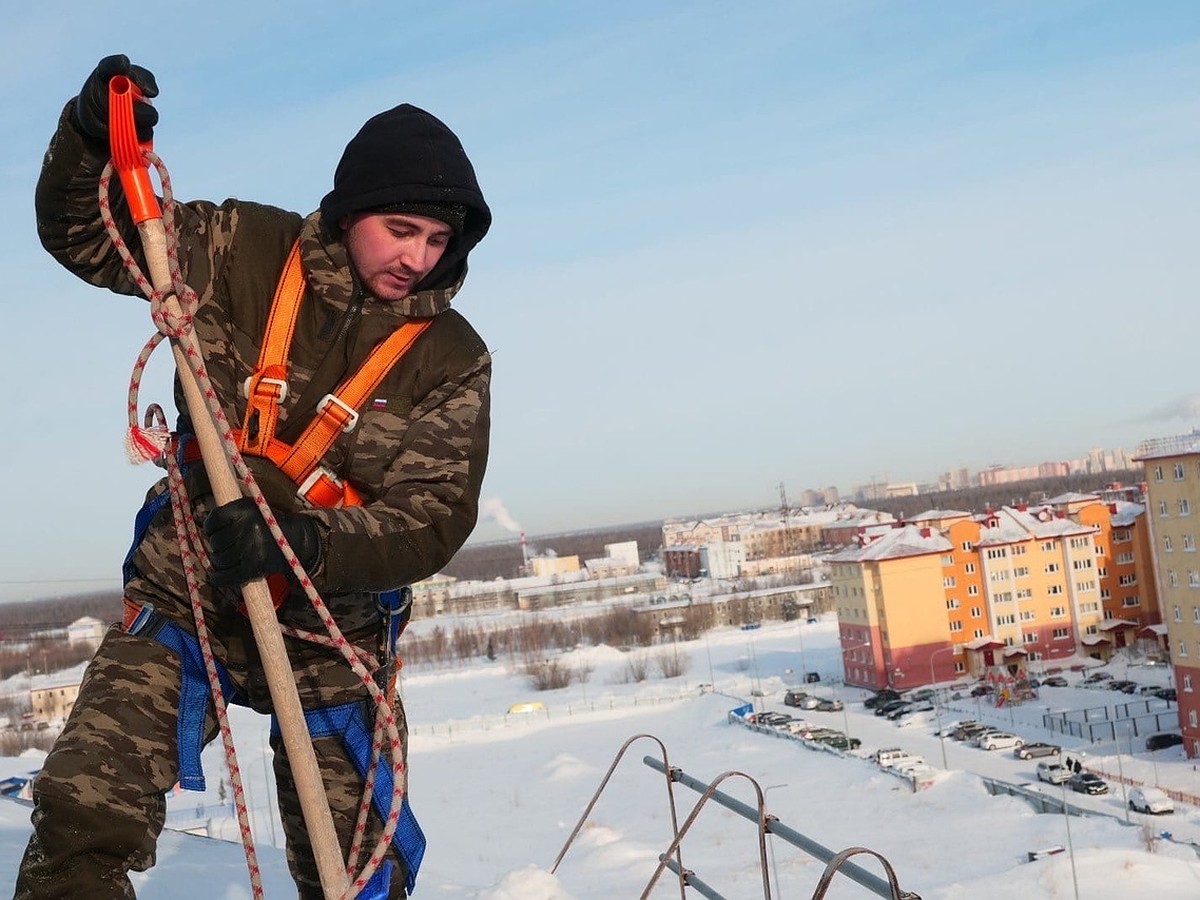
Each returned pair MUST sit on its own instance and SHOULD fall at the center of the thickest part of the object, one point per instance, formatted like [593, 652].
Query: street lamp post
[937, 704]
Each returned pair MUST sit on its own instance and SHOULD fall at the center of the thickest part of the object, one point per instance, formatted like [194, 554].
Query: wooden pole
[225, 487]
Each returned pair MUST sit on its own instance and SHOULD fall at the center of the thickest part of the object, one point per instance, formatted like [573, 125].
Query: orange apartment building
[1014, 586]
[1172, 467]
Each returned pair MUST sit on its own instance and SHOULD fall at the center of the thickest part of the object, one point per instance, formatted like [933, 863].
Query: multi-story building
[891, 607]
[1172, 470]
[1016, 585]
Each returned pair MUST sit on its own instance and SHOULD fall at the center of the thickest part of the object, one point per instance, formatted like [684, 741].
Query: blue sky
[734, 246]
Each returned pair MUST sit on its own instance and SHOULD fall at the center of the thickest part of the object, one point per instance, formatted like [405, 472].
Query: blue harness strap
[348, 721]
[194, 692]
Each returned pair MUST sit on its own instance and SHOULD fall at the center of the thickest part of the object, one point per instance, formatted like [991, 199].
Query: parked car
[833, 705]
[1123, 685]
[1053, 773]
[965, 731]
[838, 740]
[1037, 748]
[883, 695]
[1054, 681]
[909, 708]
[1088, 783]
[1097, 676]
[772, 718]
[1165, 694]
[1150, 800]
[923, 694]
[1149, 689]
[793, 698]
[1163, 740]
[1000, 740]
[894, 757]
[885, 708]
[981, 690]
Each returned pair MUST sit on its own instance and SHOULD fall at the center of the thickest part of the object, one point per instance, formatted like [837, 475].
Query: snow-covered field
[498, 795]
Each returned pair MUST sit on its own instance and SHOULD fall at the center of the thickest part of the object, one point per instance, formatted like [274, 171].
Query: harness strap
[266, 389]
[337, 412]
[348, 721]
[194, 691]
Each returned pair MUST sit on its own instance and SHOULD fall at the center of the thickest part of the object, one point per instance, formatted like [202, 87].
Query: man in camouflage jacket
[390, 242]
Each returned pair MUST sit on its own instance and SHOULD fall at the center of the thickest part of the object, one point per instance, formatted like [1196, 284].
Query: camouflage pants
[100, 796]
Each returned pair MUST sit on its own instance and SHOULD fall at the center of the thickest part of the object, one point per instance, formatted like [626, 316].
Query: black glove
[91, 106]
[242, 548]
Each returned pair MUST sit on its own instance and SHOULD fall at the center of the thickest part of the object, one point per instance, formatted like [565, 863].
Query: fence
[1099, 723]
[567, 710]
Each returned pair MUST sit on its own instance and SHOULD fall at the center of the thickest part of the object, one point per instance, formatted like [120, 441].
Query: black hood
[406, 155]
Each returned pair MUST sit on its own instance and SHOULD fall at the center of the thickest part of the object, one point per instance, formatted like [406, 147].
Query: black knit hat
[453, 214]
[405, 157]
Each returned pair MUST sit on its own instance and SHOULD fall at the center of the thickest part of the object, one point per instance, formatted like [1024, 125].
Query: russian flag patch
[379, 403]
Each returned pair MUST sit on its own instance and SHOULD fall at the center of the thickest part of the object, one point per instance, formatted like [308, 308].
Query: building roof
[1014, 524]
[987, 642]
[1071, 497]
[1179, 445]
[895, 543]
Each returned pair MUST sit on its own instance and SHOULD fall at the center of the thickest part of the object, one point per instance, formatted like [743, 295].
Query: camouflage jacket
[419, 452]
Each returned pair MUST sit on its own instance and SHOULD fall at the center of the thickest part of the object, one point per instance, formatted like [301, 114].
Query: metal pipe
[873, 883]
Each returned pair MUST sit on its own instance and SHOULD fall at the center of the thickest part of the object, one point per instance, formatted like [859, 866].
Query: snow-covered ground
[498, 795]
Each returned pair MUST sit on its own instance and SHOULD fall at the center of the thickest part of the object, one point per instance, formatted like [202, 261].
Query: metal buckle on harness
[326, 482]
[278, 382]
[351, 412]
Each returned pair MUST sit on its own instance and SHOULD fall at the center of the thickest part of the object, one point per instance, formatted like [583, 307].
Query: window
[1109, 614]
[1089, 607]
[972, 590]
[1024, 593]
[969, 568]
[1172, 578]
[1193, 719]
[1078, 543]
[1021, 572]
[1185, 508]
[1030, 637]
[1158, 473]
[1054, 589]
[1005, 597]
[978, 632]
[966, 546]
[1162, 508]
[1183, 649]
[1060, 634]
[997, 552]
[1057, 612]
[1196, 614]
[1092, 629]
[1189, 543]
[976, 612]
[1019, 550]
[1127, 580]
[948, 559]
[1102, 571]
[952, 603]
[1178, 614]
[1047, 546]
[1080, 564]
[1053, 567]
[956, 626]
[1124, 559]
[1105, 594]
[1187, 683]
[1028, 615]
[948, 581]
[1133, 601]
[1008, 641]
[998, 575]
[1085, 586]
[1179, 471]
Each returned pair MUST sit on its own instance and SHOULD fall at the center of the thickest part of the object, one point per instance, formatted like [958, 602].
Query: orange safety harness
[337, 412]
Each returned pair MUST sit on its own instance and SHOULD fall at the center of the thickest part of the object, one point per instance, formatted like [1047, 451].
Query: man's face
[392, 252]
